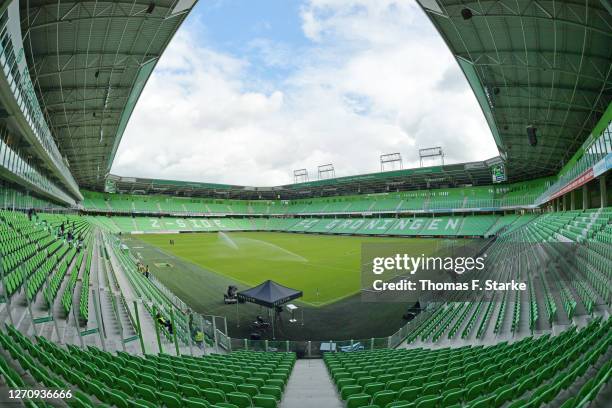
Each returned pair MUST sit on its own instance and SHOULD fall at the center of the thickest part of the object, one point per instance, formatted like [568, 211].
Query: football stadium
[483, 283]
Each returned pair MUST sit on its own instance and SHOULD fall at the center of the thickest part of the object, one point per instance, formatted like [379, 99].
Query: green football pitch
[325, 267]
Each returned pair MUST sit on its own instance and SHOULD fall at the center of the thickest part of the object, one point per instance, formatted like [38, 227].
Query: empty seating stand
[485, 197]
[33, 250]
[242, 379]
[527, 373]
[406, 226]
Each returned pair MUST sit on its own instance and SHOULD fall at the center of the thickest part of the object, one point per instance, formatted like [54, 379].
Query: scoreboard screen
[498, 172]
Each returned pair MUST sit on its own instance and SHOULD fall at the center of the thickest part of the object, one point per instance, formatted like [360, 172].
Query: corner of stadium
[121, 291]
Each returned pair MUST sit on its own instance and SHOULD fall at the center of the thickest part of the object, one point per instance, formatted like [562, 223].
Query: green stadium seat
[396, 385]
[427, 401]
[143, 404]
[374, 387]
[189, 390]
[401, 404]
[226, 386]
[451, 397]
[119, 399]
[349, 390]
[264, 401]
[410, 393]
[239, 399]
[213, 395]
[146, 392]
[272, 391]
[358, 401]
[192, 402]
[384, 397]
[170, 399]
[433, 388]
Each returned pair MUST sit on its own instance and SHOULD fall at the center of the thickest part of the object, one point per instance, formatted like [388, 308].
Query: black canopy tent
[269, 294]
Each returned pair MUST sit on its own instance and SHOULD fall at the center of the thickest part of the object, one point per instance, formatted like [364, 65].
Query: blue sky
[249, 30]
[249, 90]
[232, 23]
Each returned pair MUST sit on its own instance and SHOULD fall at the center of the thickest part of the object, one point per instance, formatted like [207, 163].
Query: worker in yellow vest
[199, 338]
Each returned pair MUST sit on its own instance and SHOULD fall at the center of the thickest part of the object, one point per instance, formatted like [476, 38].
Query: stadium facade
[74, 288]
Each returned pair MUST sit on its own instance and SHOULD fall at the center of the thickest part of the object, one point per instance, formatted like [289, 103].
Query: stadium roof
[89, 61]
[545, 63]
[453, 175]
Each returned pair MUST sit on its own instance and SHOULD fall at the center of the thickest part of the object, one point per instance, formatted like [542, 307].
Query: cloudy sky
[249, 90]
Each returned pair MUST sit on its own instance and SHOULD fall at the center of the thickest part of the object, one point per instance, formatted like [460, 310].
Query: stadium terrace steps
[124, 380]
[466, 198]
[501, 223]
[60, 302]
[133, 287]
[529, 372]
[477, 225]
[155, 300]
[113, 301]
[551, 300]
[526, 373]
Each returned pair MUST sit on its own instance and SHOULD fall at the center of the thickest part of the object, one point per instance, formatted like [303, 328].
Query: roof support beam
[81, 100]
[556, 20]
[99, 68]
[90, 88]
[550, 102]
[86, 111]
[574, 72]
[544, 86]
[544, 53]
[157, 20]
[92, 54]
[607, 4]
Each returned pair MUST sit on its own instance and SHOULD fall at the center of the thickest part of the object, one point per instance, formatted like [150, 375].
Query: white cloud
[377, 79]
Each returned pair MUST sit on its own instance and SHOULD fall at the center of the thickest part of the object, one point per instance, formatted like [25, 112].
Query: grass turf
[325, 267]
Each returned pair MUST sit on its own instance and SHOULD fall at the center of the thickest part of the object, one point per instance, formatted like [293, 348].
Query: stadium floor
[301, 261]
[342, 316]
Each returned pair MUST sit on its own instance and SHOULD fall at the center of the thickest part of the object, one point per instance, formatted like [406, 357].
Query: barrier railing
[596, 150]
[190, 324]
[525, 200]
[316, 348]
[12, 161]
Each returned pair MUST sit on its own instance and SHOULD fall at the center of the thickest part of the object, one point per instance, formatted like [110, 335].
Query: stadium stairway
[117, 324]
[147, 324]
[100, 281]
[59, 303]
[561, 291]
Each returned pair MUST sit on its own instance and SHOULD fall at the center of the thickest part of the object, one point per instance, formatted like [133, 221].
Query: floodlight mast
[431, 152]
[326, 171]
[300, 176]
[390, 161]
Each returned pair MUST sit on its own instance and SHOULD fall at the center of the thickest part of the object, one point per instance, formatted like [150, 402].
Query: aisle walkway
[310, 387]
